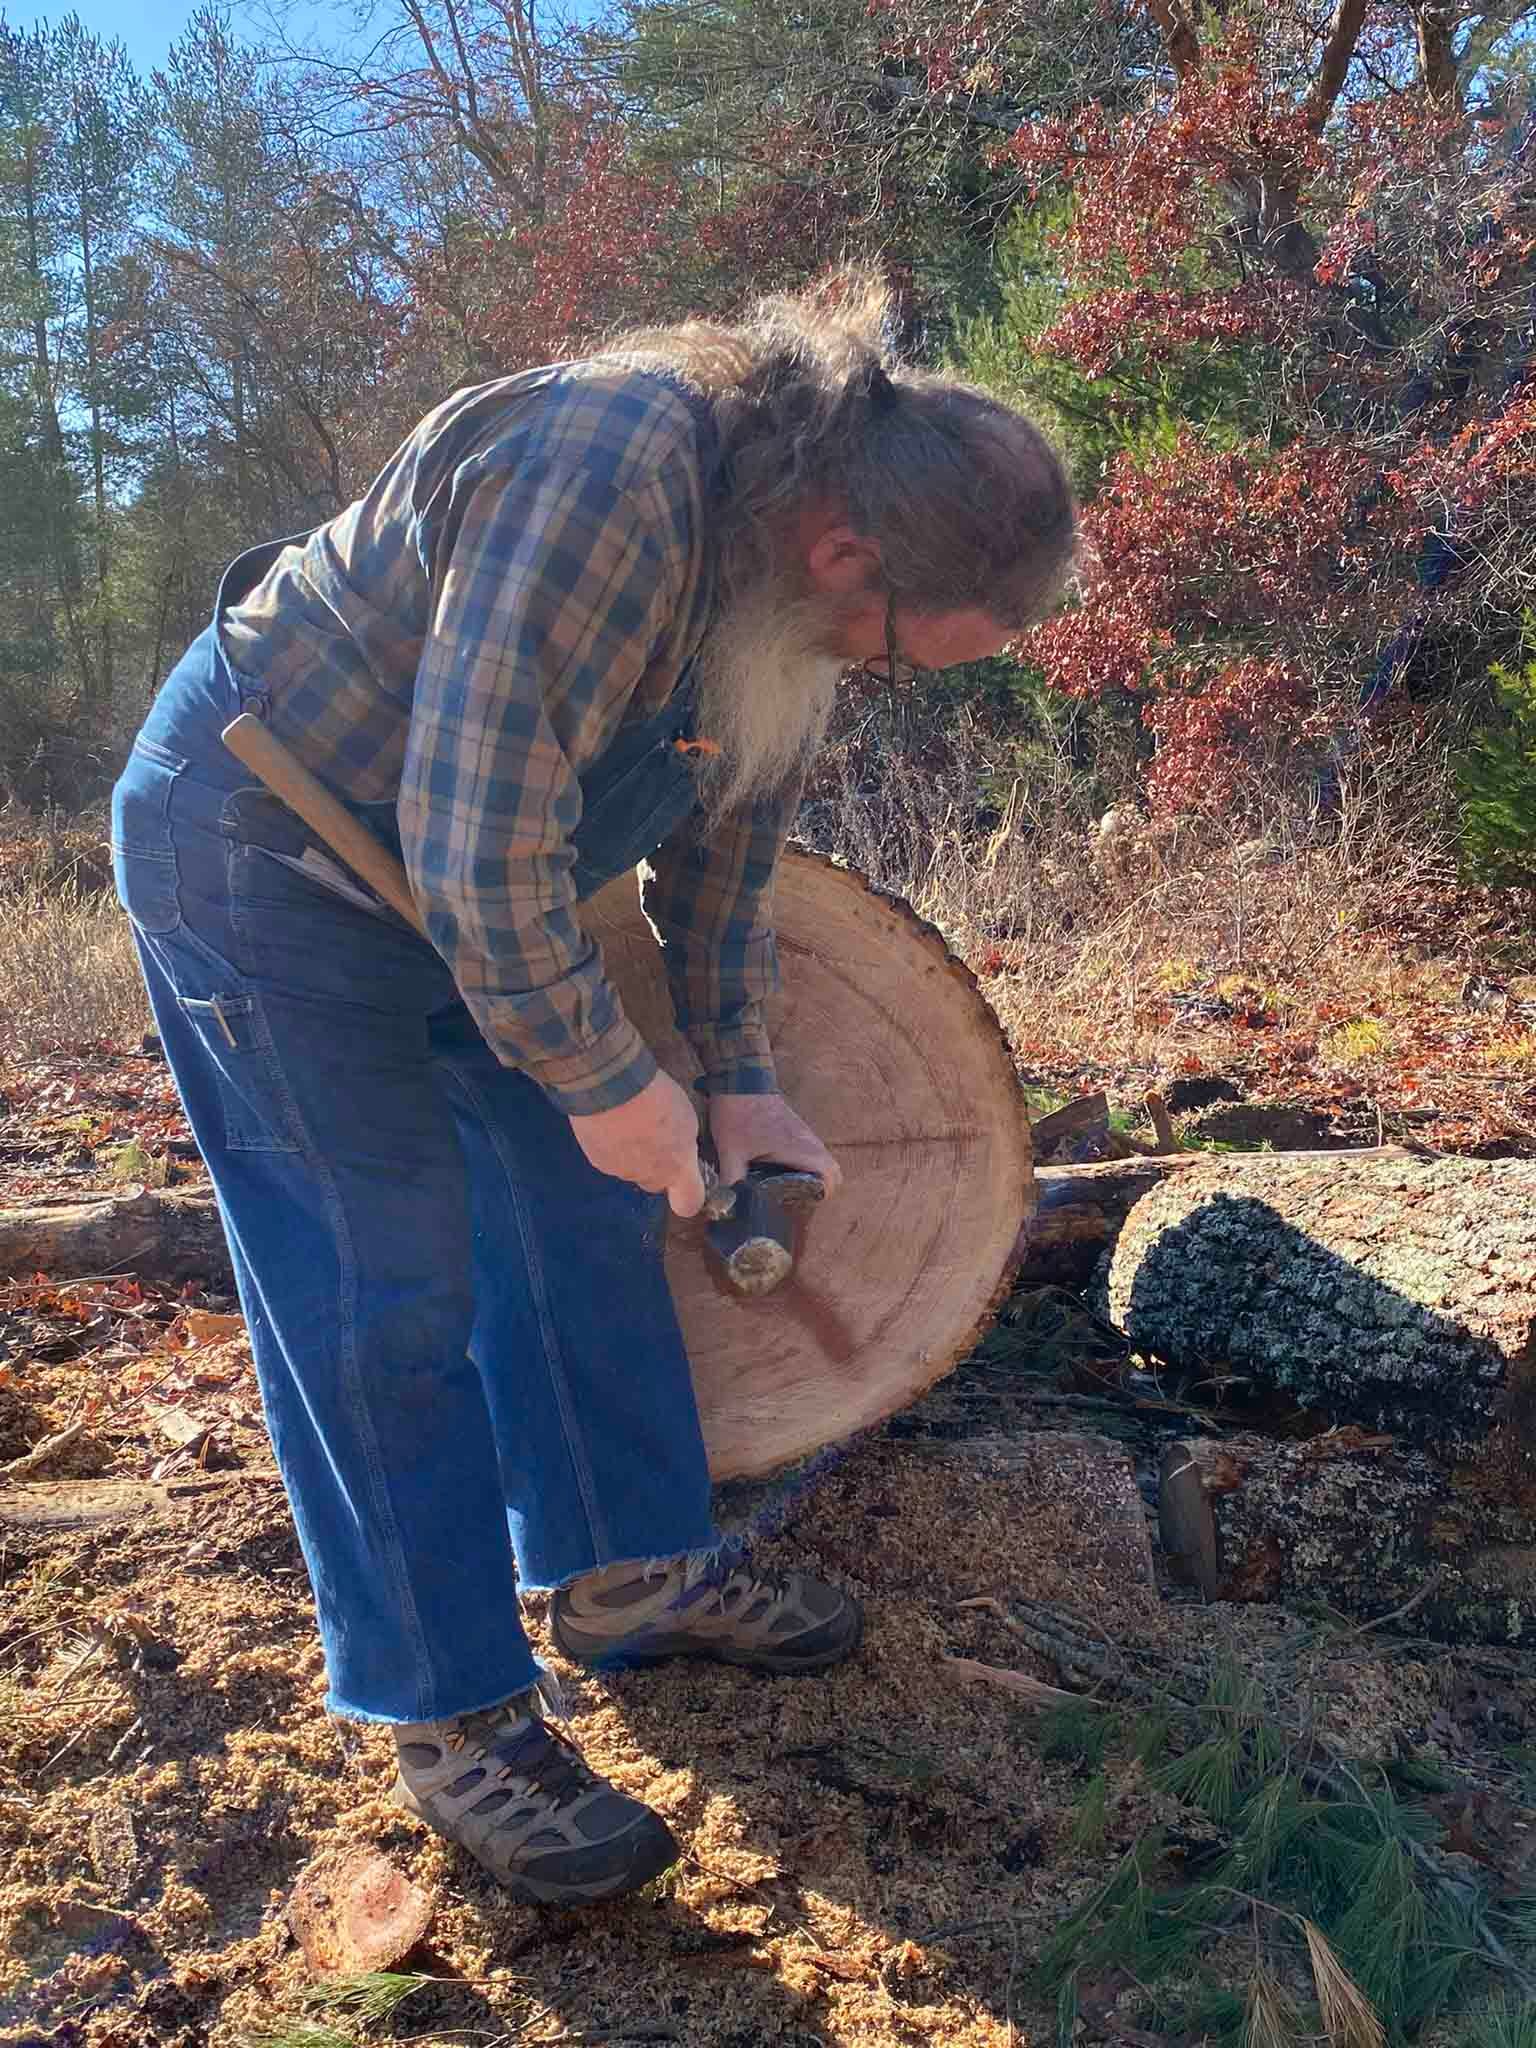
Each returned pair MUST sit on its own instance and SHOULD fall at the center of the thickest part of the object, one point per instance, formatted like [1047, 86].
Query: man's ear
[842, 563]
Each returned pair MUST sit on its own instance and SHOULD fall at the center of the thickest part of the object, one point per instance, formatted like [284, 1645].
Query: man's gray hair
[964, 496]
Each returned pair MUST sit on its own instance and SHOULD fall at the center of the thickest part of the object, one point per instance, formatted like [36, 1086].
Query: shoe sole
[666, 1649]
[662, 1852]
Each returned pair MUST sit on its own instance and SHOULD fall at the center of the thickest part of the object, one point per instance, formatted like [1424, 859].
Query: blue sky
[149, 27]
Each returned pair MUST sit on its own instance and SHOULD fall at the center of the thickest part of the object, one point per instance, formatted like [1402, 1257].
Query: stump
[1394, 1291]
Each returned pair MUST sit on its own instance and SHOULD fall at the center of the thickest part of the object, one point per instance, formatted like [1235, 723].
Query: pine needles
[1360, 1933]
[376, 1995]
[1501, 2024]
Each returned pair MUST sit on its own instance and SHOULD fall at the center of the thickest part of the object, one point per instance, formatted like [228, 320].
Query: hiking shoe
[768, 1621]
[516, 1794]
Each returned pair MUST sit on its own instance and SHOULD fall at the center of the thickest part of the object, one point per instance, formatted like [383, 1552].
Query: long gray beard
[766, 683]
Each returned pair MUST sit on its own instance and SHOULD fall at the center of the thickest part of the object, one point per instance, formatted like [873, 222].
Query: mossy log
[1398, 1292]
[1353, 1520]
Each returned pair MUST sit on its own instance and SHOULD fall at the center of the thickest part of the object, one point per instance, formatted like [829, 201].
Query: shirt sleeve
[551, 591]
[710, 897]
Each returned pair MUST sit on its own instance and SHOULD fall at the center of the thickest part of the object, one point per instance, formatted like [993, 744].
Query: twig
[1414, 1600]
[1018, 1683]
[20, 1468]
[125, 1742]
[84, 1699]
[87, 1728]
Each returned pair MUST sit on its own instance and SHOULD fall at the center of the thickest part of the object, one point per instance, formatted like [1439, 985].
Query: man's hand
[748, 1127]
[651, 1140]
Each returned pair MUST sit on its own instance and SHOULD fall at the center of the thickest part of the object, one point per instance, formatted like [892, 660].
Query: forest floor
[880, 1856]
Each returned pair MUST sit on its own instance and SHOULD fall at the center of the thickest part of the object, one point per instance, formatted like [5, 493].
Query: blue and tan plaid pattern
[528, 570]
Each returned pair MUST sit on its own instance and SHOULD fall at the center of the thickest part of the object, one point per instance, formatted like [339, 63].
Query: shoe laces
[541, 1757]
[732, 1571]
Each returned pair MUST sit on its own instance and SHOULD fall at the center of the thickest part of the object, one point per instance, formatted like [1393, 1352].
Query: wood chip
[179, 1426]
[115, 1853]
[352, 1912]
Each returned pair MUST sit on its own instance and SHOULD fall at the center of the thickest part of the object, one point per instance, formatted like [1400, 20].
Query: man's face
[925, 639]
[844, 567]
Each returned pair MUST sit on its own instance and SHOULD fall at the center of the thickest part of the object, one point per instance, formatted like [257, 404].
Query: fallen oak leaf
[203, 1326]
[849, 1969]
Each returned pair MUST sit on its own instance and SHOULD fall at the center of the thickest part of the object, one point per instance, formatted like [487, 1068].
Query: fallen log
[1352, 1520]
[1395, 1291]
[1080, 1209]
[89, 1503]
[170, 1235]
[175, 1235]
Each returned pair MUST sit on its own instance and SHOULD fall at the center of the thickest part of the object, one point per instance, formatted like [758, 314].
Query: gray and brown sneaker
[768, 1621]
[516, 1794]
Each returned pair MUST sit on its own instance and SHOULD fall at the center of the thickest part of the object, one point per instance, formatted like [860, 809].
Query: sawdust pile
[860, 1847]
[872, 1857]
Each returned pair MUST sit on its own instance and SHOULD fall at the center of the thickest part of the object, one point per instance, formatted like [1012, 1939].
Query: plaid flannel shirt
[530, 568]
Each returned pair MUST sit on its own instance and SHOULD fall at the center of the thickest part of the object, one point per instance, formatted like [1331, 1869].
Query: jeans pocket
[143, 855]
[259, 1112]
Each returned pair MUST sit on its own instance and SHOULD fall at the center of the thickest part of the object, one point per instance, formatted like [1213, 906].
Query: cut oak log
[1352, 1520]
[1398, 1292]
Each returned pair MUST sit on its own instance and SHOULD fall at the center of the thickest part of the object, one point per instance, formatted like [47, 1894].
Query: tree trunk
[1348, 1519]
[167, 1237]
[1396, 1291]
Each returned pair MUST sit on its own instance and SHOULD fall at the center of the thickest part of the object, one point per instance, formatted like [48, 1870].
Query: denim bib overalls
[468, 1356]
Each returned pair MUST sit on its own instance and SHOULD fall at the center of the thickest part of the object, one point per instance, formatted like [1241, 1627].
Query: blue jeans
[468, 1356]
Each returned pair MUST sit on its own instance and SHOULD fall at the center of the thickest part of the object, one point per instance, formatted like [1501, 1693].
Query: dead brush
[68, 974]
[1101, 933]
[69, 977]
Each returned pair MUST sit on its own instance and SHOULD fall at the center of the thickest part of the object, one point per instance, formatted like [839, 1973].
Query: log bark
[1352, 1520]
[1399, 1292]
[171, 1236]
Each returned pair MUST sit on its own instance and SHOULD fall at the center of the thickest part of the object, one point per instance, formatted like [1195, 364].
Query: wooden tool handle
[251, 743]
[267, 758]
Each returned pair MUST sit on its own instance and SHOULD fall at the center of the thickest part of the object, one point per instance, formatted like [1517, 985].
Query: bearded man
[587, 616]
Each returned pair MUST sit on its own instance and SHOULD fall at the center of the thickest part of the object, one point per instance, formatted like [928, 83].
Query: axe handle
[287, 777]
[267, 758]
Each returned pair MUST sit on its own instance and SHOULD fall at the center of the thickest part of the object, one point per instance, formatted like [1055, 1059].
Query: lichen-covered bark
[1395, 1291]
[1357, 1523]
